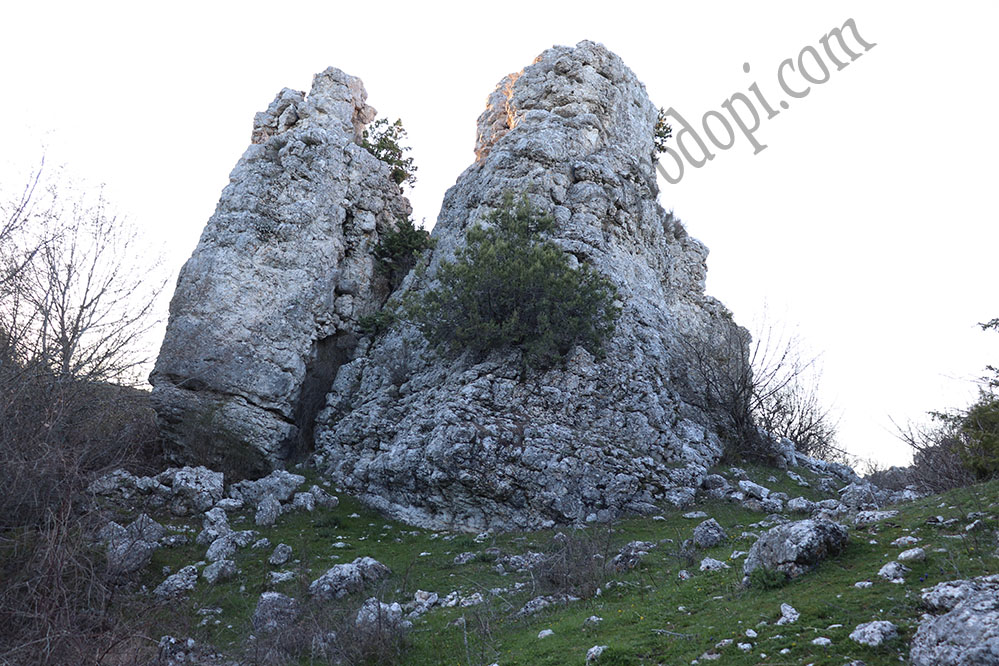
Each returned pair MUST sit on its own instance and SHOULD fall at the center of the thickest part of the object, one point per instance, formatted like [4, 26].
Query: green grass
[649, 615]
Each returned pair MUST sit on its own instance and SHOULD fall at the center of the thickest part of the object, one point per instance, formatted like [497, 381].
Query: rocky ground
[807, 565]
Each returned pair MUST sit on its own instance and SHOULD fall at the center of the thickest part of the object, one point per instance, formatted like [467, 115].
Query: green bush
[382, 139]
[767, 579]
[662, 133]
[399, 250]
[511, 288]
[980, 430]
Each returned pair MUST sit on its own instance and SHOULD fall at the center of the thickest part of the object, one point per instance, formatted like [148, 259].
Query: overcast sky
[867, 225]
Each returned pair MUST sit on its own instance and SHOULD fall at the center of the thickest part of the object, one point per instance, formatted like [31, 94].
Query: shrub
[767, 579]
[510, 288]
[381, 138]
[398, 250]
[662, 133]
[980, 430]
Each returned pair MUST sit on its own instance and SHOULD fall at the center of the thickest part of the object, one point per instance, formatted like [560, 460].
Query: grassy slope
[650, 617]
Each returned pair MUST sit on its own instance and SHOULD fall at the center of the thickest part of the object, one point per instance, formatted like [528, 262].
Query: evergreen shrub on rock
[512, 288]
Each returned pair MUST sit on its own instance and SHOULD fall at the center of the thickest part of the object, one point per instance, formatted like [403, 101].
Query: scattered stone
[863, 584]
[225, 546]
[374, 614]
[745, 647]
[464, 558]
[540, 603]
[865, 518]
[631, 554]
[695, 515]
[545, 633]
[191, 489]
[343, 579]
[281, 554]
[894, 572]
[904, 541]
[219, 571]
[268, 511]
[754, 490]
[275, 612]
[592, 621]
[821, 641]
[874, 633]
[912, 555]
[323, 498]
[711, 564]
[801, 505]
[788, 615]
[709, 534]
[180, 582]
[593, 654]
[795, 548]
[278, 577]
[304, 502]
[229, 504]
[214, 525]
[263, 542]
[280, 483]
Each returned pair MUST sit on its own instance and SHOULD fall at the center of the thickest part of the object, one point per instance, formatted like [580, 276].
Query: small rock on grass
[594, 653]
[874, 633]
[788, 614]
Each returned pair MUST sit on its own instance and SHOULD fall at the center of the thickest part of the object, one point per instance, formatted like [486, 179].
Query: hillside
[661, 610]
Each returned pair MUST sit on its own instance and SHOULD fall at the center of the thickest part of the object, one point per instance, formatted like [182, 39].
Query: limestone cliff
[266, 308]
[473, 444]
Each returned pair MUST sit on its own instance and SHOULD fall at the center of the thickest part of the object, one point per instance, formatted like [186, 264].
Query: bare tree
[765, 389]
[75, 300]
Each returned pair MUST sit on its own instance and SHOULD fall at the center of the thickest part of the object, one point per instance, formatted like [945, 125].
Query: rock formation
[266, 308]
[471, 443]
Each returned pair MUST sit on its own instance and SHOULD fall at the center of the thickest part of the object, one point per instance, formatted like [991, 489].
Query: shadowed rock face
[470, 443]
[266, 308]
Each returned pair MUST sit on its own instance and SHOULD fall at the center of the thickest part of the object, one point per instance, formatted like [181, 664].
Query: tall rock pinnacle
[266, 308]
[469, 443]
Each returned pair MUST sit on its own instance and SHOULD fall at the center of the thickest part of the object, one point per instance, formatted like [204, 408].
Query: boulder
[191, 489]
[472, 442]
[795, 548]
[343, 579]
[274, 612]
[874, 633]
[267, 307]
[375, 615]
[709, 534]
[280, 484]
[964, 627]
[178, 583]
[219, 571]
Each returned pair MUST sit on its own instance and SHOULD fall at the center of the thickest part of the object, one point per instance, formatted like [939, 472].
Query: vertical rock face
[470, 443]
[266, 308]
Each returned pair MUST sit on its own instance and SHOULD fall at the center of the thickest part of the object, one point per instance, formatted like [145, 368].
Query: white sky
[868, 224]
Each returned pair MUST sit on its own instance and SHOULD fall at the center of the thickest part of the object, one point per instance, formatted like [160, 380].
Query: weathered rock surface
[274, 612]
[965, 629]
[795, 548]
[709, 534]
[267, 306]
[343, 579]
[469, 443]
[874, 633]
